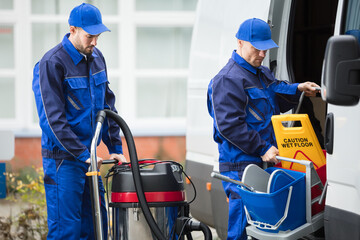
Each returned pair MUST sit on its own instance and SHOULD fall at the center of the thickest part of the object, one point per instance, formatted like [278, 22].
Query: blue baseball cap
[88, 17]
[257, 32]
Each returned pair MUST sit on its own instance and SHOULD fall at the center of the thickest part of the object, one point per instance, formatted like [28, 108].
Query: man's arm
[310, 88]
[50, 102]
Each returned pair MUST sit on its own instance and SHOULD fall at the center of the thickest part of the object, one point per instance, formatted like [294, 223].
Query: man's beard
[88, 51]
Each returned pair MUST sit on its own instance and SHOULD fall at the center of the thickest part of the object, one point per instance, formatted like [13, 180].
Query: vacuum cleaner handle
[110, 161]
[94, 181]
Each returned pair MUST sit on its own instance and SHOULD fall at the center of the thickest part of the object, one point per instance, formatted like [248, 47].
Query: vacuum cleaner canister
[162, 184]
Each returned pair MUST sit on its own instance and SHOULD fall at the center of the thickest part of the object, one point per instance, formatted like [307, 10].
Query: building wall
[28, 150]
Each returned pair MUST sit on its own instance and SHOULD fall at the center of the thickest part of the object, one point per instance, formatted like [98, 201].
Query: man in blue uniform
[242, 97]
[70, 85]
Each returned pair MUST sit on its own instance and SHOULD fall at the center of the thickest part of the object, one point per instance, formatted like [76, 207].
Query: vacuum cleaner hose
[135, 170]
[204, 228]
[189, 225]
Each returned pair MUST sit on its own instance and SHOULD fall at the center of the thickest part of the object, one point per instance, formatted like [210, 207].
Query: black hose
[185, 225]
[206, 230]
[136, 172]
[189, 236]
[199, 226]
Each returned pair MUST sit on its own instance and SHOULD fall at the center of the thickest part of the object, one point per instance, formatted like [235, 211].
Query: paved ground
[10, 208]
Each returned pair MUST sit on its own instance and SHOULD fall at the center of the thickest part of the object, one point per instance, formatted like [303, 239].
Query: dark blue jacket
[69, 91]
[241, 100]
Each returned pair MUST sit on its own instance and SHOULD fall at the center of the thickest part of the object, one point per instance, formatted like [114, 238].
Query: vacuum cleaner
[147, 196]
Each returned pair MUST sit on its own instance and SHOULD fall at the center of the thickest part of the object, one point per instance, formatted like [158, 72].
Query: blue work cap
[257, 32]
[88, 17]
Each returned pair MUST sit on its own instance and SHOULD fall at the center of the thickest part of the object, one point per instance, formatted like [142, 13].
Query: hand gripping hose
[135, 172]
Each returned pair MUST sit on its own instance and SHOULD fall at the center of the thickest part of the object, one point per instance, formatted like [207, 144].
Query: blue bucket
[265, 210]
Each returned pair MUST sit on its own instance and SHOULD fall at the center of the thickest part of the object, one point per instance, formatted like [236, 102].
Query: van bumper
[341, 224]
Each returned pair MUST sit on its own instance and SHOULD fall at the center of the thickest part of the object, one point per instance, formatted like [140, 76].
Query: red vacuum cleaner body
[163, 184]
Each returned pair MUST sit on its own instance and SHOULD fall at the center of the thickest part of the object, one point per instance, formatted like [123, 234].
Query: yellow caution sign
[298, 142]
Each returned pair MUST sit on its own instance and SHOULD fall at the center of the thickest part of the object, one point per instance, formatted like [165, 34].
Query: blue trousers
[237, 218]
[68, 200]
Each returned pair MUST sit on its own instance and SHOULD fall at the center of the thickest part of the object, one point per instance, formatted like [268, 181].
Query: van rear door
[213, 41]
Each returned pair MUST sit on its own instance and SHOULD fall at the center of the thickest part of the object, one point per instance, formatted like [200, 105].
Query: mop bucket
[282, 207]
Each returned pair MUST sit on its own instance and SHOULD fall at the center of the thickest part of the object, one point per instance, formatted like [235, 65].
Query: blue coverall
[241, 100]
[69, 90]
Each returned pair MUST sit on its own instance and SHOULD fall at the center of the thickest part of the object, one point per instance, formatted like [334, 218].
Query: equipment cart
[266, 231]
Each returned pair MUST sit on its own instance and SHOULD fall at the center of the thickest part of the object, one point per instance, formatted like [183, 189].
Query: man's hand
[310, 88]
[270, 155]
[119, 157]
[99, 162]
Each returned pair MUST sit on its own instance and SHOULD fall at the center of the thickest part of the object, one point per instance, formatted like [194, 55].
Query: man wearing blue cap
[70, 86]
[242, 97]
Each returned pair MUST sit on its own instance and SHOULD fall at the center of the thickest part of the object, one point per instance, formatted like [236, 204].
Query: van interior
[311, 25]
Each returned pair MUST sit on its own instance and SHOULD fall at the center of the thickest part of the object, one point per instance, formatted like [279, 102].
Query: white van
[301, 28]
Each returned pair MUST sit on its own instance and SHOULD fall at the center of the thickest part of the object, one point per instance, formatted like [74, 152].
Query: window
[352, 24]
[7, 46]
[6, 4]
[161, 97]
[63, 7]
[164, 51]
[146, 53]
[45, 36]
[7, 98]
[7, 72]
[165, 5]
[162, 47]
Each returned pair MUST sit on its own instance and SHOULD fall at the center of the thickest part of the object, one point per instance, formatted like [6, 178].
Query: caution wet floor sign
[297, 142]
